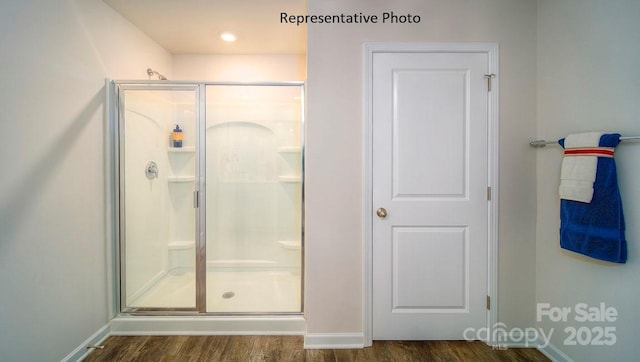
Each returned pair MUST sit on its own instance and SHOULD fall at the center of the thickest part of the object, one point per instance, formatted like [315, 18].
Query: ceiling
[194, 26]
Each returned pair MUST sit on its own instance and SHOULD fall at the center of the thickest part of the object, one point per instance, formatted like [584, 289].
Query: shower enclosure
[211, 224]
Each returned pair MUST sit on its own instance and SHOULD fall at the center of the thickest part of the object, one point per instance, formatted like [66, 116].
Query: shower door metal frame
[117, 145]
[119, 88]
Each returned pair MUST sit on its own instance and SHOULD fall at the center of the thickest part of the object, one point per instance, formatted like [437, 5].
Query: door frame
[491, 49]
[114, 147]
[119, 217]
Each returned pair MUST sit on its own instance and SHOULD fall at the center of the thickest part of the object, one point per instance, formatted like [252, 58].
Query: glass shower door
[158, 139]
[253, 142]
[210, 197]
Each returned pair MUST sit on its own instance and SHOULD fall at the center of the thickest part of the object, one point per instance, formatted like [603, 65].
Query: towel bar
[544, 143]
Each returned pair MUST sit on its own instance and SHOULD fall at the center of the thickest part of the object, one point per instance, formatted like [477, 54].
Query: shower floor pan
[228, 292]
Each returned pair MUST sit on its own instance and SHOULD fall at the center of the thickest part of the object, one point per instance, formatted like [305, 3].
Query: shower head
[151, 72]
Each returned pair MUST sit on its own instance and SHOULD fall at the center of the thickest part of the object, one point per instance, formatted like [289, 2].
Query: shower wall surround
[253, 176]
[214, 251]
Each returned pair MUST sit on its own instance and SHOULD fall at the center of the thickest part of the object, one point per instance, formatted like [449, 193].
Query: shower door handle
[195, 199]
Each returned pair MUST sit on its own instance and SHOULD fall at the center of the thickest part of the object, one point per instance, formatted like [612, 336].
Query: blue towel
[596, 229]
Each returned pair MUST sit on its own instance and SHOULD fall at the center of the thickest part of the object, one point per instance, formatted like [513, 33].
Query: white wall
[334, 184]
[239, 68]
[588, 80]
[53, 247]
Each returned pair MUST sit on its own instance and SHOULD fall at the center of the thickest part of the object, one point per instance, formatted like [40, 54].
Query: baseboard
[207, 325]
[333, 340]
[516, 338]
[82, 351]
[554, 354]
[532, 340]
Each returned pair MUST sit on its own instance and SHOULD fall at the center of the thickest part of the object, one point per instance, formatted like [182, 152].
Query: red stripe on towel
[590, 151]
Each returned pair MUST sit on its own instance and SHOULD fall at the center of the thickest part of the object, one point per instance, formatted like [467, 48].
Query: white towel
[579, 172]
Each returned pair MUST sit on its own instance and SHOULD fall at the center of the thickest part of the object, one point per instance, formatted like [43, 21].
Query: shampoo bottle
[176, 137]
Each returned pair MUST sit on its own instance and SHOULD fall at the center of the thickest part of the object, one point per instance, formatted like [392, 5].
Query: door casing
[491, 49]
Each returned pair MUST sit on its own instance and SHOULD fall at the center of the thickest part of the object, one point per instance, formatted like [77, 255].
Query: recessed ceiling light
[228, 37]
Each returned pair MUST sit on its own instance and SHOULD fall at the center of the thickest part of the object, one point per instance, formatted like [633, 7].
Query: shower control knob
[381, 212]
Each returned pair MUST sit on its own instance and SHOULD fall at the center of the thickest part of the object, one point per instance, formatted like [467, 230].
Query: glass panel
[156, 188]
[253, 198]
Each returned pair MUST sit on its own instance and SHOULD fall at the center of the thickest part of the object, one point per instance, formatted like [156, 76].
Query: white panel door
[430, 163]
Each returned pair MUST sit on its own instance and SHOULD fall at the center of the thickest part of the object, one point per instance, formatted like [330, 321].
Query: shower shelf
[178, 179]
[292, 179]
[290, 244]
[182, 149]
[181, 244]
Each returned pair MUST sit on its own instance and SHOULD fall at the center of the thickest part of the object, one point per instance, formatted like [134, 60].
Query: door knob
[381, 212]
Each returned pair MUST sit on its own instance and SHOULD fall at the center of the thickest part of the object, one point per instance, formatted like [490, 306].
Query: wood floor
[289, 348]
